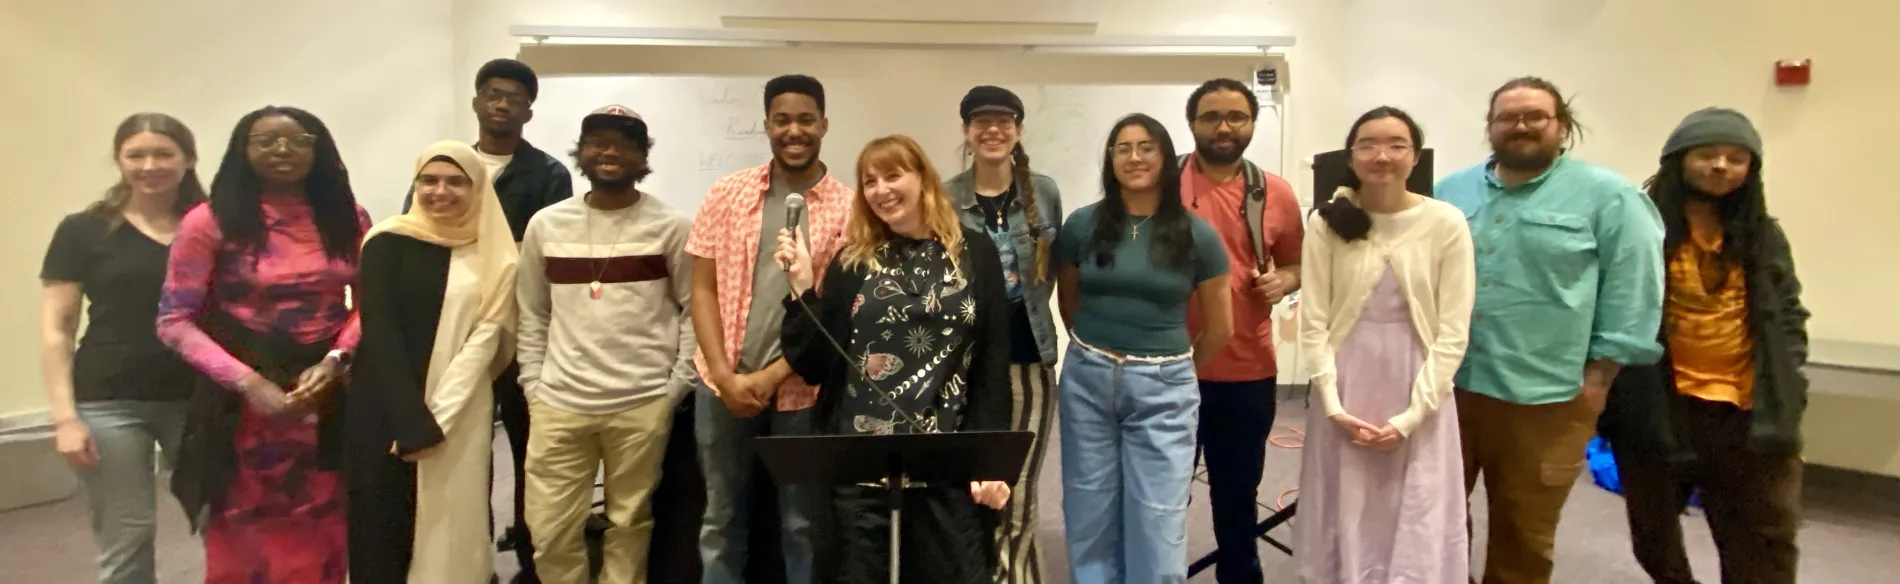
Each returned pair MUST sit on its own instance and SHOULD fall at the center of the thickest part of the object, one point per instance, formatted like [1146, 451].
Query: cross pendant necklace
[1136, 233]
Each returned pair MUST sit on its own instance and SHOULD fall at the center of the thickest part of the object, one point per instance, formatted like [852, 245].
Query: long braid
[1026, 192]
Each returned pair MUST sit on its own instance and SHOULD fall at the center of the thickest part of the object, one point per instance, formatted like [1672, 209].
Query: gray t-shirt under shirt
[769, 288]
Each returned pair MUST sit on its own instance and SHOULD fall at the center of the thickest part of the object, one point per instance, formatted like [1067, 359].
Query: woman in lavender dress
[1387, 306]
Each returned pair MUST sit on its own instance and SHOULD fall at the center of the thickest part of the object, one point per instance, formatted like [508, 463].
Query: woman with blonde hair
[438, 309]
[918, 302]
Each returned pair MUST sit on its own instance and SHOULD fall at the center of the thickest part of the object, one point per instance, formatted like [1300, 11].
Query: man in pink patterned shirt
[738, 302]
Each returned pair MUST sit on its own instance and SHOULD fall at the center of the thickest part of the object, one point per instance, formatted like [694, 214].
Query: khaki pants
[1529, 457]
[566, 451]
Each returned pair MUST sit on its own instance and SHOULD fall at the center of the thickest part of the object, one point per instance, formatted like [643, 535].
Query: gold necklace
[598, 266]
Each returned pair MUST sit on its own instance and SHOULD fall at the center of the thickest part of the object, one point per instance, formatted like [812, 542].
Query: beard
[1510, 155]
[1211, 150]
[626, 179]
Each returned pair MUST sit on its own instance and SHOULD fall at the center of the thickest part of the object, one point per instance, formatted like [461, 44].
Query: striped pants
[1019, 558]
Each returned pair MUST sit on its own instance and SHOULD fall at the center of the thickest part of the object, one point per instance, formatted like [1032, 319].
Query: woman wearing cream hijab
[436, 300]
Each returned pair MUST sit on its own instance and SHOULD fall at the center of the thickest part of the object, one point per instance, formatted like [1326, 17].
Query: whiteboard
[705, 127]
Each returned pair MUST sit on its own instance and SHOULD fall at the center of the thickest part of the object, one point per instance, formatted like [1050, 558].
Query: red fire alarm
[1791, 72]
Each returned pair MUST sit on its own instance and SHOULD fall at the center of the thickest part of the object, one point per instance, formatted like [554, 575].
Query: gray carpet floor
[1851, 531]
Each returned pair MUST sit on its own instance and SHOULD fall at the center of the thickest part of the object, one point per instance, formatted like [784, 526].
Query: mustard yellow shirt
[1706, 316]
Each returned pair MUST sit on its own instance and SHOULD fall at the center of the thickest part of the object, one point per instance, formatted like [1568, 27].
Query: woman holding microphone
[918, 305]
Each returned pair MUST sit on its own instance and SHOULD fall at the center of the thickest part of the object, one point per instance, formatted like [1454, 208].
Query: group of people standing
[325, 386]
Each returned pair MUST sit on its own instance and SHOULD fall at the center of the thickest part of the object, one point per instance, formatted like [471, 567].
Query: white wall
[378, 74]
[391, 76]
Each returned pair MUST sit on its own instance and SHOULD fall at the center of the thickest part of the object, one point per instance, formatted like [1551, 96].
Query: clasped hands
[1379, 438]
[313, 388]
[745, 394]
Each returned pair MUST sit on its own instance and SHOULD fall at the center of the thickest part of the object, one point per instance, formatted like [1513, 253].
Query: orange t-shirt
[1709, 342]
[1249, 356]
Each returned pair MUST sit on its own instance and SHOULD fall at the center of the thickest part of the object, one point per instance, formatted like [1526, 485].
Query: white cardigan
[1434, 264]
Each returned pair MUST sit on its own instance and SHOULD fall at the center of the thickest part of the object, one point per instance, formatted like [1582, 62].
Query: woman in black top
[919, 304]
[122, 391]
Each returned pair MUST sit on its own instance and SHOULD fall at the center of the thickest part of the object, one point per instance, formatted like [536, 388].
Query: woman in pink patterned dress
[254, 300]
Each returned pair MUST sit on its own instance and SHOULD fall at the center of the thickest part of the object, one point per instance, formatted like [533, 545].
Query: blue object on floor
[1603, 465]
[1603, 470]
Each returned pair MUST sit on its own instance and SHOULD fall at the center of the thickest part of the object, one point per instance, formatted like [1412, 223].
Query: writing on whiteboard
[744, 129]
[723, 162]
[722, 95]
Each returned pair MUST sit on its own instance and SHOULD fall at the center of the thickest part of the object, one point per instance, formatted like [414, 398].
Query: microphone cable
[884, 398]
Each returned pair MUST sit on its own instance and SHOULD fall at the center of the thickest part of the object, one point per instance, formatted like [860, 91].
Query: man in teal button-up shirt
[1570, 281]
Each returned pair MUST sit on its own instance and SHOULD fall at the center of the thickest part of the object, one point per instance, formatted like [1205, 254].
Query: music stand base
[897, 512]
[1259, 533]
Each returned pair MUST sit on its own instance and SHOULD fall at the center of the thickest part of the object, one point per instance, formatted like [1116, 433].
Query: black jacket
[1644, 407]
[530, 183]
[815, 360]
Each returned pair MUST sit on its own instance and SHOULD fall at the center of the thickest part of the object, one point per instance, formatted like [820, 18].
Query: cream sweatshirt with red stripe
[602, 351]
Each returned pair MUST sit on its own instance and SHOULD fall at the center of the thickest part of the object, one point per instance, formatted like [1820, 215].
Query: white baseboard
[26, 419]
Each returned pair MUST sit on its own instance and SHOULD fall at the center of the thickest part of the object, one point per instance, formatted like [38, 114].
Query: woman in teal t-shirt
[1129, 400]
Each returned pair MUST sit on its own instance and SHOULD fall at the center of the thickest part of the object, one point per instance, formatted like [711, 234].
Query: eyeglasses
[301, 142]
[1145, 149]
[1369, 150]
[1536, 120]
[1234, 119]
[515, 100]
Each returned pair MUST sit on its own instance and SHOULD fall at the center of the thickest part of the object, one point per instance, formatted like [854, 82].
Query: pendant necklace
[598, 266]
[1136, 233]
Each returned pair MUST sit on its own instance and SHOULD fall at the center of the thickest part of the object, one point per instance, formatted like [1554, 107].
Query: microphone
[794, 210]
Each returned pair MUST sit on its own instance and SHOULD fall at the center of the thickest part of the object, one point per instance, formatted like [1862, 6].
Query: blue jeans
[1127, 460]
[122, 490]
[726, 456]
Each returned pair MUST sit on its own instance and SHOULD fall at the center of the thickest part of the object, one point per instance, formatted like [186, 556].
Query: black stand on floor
[1279, 517]
[897, 458]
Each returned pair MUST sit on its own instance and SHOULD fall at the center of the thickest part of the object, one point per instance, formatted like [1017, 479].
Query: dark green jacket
[1644, 407]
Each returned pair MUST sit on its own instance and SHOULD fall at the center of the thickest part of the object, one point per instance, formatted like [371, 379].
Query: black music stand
[935, 458]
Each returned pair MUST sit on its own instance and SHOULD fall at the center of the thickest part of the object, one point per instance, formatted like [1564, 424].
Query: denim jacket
[1042, 320]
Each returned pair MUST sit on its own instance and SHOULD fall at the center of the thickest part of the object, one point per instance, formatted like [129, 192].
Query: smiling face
[1717, 170]
[280, 150]
[611, 160]
[895, 195]
[152, 164]
[796, 129]
[443, 190]
[1382, 152]
[1137, 158]
[992, 136]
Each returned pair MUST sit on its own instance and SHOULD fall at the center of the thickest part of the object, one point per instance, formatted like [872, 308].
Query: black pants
[511, 407]
[1236, 417]
[945, 538]
[1752, 501]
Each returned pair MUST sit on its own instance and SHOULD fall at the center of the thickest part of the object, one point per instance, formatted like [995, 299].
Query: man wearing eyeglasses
[527, 180]
[1570, 290]
[1238, 387]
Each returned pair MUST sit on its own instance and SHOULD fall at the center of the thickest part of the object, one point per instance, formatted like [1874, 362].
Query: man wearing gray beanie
[1721, 412]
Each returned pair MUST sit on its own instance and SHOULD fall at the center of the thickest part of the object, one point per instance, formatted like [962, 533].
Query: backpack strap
[1253, 206]
[1253, 210]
